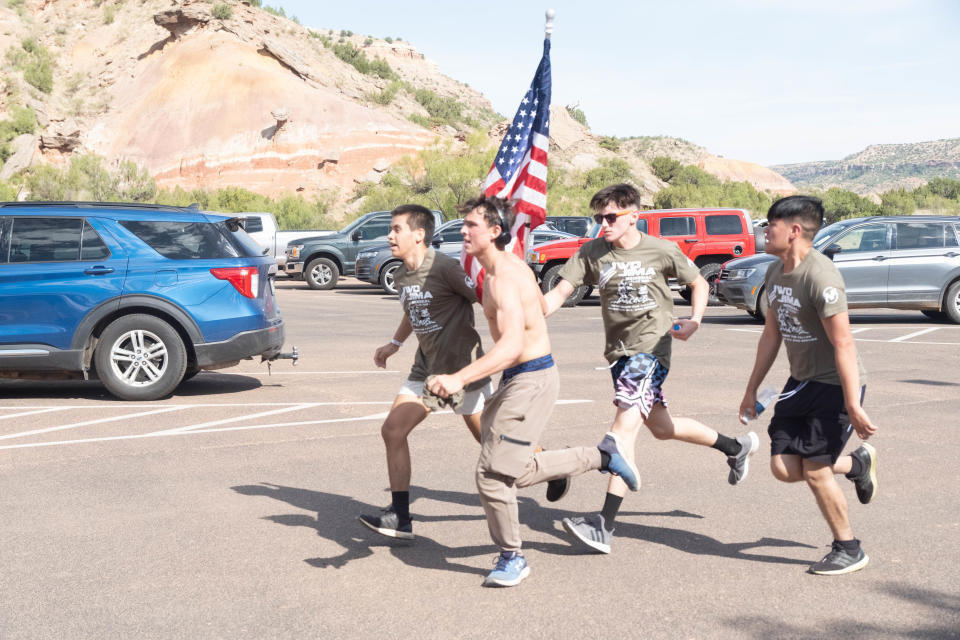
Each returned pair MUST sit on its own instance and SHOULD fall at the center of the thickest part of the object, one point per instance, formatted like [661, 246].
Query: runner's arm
[402, 332]
[837, 327]
[767, 349]
[700, 294]
[554, 298]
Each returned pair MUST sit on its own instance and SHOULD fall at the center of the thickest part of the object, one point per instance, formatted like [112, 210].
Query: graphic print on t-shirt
[788, 315]
[417, 303]
[632, 292]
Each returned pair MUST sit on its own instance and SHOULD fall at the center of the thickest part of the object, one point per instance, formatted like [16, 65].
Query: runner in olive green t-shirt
[437, 301]
[631, 269]
[821, 402]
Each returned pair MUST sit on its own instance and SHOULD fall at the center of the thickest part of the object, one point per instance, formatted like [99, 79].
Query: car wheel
[951, 305]
[552, 277]
[321, 273]
[140, 357]
[709, 273]
[386, 278]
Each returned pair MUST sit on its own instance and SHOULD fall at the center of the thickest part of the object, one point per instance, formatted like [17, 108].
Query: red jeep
[709, 237]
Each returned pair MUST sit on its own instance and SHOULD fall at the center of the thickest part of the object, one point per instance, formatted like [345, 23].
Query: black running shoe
[388, 524]
[838, 562]
[866, 482]
[558, 488]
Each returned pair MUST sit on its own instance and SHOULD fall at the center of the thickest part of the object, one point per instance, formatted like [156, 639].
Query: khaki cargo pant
[513, 420]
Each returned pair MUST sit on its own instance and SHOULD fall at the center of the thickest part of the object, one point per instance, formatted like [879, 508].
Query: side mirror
[831, 251]
[436, 241]
[356, 235]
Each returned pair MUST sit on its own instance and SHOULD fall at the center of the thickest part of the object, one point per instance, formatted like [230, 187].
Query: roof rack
[79, 204]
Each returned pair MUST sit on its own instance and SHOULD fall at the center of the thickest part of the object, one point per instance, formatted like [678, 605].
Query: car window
[677, 226]
[642, 225]
[375, 229]
[91, 245]
[189, 240]
[45, 239]
[924, 235]
[252, 224]
[451, 233]
[869, 237]
[724, 225]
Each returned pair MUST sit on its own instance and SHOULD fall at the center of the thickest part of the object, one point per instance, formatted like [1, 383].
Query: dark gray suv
[898, 262]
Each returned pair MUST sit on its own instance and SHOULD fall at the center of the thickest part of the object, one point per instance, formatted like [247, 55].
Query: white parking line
[195, 429]
[89, 422]
[914, 334]
[860, 329]
[28, 413]
[296, 407]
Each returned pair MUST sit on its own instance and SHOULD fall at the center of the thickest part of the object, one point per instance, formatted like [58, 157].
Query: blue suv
[141, 296]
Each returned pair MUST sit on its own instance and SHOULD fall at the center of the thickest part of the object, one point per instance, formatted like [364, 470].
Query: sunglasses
[611, 217]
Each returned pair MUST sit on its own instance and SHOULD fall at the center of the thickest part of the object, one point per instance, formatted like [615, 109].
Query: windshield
[827, 233]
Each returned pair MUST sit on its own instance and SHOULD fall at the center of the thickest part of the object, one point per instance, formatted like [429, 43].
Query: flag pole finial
[548, 29]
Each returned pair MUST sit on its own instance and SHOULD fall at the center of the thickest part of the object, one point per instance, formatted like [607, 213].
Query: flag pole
[548, 29]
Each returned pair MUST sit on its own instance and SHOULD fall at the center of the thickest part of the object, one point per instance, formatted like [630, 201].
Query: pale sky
[757, 80]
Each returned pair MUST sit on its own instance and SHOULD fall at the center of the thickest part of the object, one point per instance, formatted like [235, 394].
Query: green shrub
[109, 13]
[442, 110]
[385, 96]
[255, 3]
[664, 167]
[359, 61]
[611, 143]
[388, 40]
[367, 42]
[36, 63]
[277, 11]
[577, 115]
[222, 11]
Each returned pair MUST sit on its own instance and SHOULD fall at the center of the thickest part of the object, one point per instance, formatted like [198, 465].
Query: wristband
[396, 342]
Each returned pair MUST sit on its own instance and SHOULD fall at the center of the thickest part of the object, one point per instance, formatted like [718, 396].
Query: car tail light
[246, 280]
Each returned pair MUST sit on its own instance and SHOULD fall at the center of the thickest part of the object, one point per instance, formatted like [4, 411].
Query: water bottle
[766, 396]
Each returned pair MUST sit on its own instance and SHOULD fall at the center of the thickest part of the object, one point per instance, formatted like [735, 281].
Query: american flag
[519, 172]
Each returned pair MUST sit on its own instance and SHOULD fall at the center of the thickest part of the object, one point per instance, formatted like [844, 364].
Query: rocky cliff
[252, 99]
[880, 167]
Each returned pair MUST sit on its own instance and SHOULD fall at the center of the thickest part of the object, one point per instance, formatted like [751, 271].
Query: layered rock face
[200, 114]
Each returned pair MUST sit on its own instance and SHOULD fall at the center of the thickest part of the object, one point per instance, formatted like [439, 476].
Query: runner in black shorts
[821, 403]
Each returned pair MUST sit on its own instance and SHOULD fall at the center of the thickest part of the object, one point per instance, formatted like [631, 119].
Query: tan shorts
[473, 401]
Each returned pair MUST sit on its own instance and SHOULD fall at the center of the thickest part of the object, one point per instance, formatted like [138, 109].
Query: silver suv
[897, 262]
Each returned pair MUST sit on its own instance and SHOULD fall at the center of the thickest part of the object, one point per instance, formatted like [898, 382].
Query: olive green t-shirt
[636, 301]
[439, 303]
[801, 299]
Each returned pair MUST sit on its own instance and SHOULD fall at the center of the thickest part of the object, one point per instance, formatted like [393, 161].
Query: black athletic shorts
[810, 420]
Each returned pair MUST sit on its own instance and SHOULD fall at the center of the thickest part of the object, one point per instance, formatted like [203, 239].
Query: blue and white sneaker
[510, 571]
[619, 464]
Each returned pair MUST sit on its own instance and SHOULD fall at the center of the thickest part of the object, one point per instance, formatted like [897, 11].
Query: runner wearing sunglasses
[631, 269]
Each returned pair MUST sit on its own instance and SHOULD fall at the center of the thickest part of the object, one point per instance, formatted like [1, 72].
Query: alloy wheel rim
[139, 358]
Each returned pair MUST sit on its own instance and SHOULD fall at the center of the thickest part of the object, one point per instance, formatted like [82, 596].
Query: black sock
[604, 461]
[401, 505]
[856, 468]
[729, 446]
[850, 546]
[611, 506]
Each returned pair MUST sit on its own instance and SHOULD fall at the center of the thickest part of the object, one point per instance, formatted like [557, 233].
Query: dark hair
[805, 209]
[625, 195]
[418, 217]
[496, 212]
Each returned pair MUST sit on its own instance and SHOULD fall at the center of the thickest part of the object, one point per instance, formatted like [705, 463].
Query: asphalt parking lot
[229, 509]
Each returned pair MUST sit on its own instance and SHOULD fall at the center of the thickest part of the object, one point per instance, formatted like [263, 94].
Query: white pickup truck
[262, 227]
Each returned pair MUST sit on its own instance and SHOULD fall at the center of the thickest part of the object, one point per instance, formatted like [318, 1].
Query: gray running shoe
[388, 524]
[838, 562]
[619, 464]
[590, 531]
[740, 463]
[558, 488]
[866, 482]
